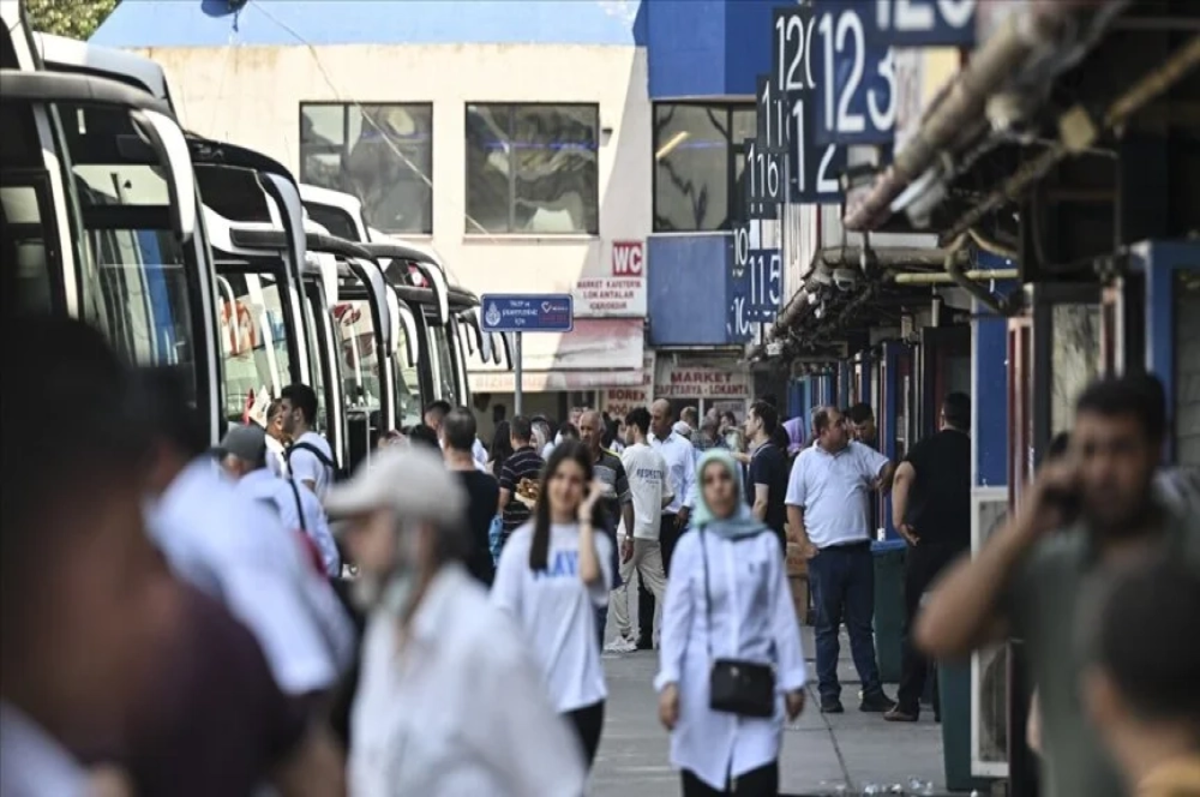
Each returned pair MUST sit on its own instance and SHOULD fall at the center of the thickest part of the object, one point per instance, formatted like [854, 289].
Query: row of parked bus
[210, 258]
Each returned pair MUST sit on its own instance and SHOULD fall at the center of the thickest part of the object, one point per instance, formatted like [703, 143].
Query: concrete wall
[251, 95]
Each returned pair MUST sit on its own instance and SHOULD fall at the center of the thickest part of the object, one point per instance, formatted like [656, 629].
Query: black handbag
[744, 688]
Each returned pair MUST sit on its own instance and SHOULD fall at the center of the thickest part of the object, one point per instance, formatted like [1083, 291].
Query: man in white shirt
[641, 550]
[449, 702]
[310, 459]
[435, 416]
[236, 549]
[244, 456]
[827, 494]
[680, 456]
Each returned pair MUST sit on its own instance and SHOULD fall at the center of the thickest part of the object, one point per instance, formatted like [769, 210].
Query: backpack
[334, 473]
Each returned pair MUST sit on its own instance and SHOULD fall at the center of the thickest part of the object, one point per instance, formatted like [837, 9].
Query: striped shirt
[525, 463]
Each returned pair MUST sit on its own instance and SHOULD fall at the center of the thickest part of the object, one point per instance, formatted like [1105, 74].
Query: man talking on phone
[1028, 582]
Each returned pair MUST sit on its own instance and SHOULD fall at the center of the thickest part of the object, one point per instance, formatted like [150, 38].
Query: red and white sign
[619, 294]
[700, 381]
[628, 259]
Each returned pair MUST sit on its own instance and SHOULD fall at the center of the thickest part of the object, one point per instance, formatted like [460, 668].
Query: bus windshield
[148, 283]
[360, 360]
[254, 338]
[408, 382]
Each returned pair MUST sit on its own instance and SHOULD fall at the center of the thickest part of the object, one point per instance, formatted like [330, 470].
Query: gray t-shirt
[1051, 592]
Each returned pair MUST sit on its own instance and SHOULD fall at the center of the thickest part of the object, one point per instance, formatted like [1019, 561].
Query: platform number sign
[738, 324]
[856, 79]
[764, 174]
[922, 23]
[813, 169]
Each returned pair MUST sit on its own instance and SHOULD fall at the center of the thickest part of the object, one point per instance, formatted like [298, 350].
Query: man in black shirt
[525, 463]
[767, 480]
[862, 423]
[931, 505]
[483, 494]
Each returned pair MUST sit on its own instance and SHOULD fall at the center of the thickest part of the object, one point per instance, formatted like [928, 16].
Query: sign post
[526, 312]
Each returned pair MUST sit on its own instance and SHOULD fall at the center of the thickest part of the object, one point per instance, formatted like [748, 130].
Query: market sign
[701, 381]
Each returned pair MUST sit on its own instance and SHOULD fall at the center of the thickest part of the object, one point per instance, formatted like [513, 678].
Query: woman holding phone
[731, 665]
[554, 572]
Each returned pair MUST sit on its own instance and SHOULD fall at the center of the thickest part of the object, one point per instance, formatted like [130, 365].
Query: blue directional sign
[528, 312]
[922, 23]
[855, 78]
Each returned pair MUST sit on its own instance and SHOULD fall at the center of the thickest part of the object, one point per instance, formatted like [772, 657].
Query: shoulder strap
[707, 594]
[299, 504]
[318, 453]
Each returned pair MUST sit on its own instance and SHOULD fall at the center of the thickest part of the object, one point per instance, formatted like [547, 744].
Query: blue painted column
[989, 398]
[885, 417]
[844, 370]
[864, 381]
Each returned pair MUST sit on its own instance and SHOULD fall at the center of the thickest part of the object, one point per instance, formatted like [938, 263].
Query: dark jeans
[923, 563]
[588, 722]
[843, 584]
[761, 782]
[668, 535]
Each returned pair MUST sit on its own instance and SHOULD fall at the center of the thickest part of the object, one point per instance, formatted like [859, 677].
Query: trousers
[647, 562]
[668, 535]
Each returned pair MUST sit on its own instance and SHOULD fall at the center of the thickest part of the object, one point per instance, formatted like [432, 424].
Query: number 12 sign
[814, 169]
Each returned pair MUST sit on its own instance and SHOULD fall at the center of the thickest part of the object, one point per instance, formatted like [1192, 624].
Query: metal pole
[517, 371]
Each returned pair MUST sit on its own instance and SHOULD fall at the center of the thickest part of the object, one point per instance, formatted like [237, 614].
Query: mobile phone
[1068, 502]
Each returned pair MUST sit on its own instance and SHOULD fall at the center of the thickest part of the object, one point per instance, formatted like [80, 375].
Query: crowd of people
[181, 620]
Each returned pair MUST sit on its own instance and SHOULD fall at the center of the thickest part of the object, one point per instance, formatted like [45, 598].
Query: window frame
[735, 150]
[473, 230]
[343, 150]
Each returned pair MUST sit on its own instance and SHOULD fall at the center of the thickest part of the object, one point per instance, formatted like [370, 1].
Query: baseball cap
[681, 428]
[247, 442]
[412, 481]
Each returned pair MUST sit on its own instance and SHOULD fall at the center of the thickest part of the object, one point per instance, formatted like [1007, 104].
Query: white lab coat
[754, 620]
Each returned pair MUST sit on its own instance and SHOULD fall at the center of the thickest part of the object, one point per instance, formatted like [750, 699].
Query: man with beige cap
[448, 700]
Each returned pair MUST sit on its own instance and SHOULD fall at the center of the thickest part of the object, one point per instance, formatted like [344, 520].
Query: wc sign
[627, 258]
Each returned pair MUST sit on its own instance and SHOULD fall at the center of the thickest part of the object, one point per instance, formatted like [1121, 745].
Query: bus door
[320, 285]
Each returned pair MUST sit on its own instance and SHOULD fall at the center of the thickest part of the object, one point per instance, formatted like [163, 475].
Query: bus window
[408, 383]
[360, 359]
[316, 361]
[440, 345]
[253, 339]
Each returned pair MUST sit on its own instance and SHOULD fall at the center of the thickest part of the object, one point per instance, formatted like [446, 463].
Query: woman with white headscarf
[731, 665]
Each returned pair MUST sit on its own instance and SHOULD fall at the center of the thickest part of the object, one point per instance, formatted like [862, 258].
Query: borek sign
[621, 292]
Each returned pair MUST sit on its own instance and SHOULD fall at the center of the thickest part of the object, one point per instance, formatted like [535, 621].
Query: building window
[698, 164]
[382, 154]
[532, 169]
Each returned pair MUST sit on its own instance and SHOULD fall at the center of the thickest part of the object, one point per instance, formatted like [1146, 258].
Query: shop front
[709, 385]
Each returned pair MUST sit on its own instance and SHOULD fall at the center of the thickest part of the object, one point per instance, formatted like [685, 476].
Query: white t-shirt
[276, 456]
[649, 484]
[306, 466]
[834, 490]
[239, 552]
[557, 611]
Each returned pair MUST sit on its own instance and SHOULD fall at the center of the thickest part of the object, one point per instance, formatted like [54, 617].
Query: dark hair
[1058, 446]
[577, 452]
[60, 369]
[820, 418]
[501, 447]
[303, 398]
[1148, 639]
[440, 408]
[521, 429]
[169, 410]
[769, 398]
[767, 414]
[458, 429]
[639, 417]
[421, 435]
[611, 427]
[860, 413]
[957, 409]
[781, 439]
[568, 431]
[1138, 395]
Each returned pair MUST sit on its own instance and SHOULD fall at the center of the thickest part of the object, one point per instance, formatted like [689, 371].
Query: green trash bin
[889, 607]
[954, 689]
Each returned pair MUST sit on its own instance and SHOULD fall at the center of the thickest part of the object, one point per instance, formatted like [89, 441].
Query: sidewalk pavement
[847, 754]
